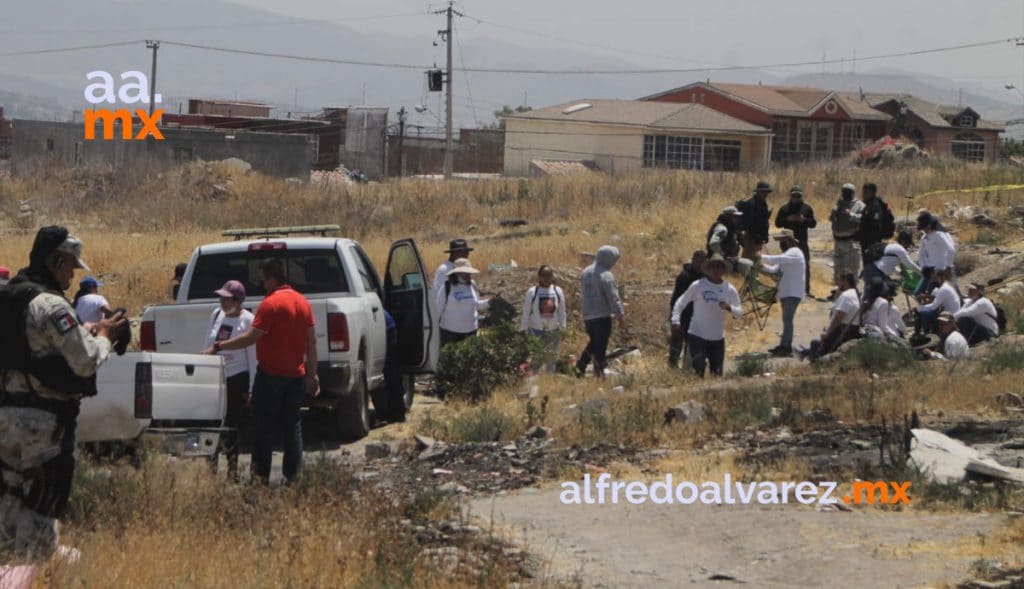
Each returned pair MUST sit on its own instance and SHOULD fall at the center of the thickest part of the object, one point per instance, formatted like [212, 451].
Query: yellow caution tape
[977, 189]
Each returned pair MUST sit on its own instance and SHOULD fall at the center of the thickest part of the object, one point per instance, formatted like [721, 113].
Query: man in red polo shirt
[285, 339]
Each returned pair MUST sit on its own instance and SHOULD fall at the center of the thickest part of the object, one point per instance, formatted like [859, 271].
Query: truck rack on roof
[268, 232]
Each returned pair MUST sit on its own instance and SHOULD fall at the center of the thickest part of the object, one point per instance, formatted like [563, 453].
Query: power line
[623, 71]
[469, 91]
[496, 70]
[269, 23]
[69, 49]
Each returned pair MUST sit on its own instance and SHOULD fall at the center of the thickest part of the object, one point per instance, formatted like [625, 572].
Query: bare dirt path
[781, 546]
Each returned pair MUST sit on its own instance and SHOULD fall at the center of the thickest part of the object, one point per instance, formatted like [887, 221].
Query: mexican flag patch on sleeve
[64, 321]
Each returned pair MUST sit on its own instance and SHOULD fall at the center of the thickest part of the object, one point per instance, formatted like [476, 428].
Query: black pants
[451, 337]
[237, 418]
[704, 352]
[599, 331]
[675, 346]
[973, 331]
[832, 341]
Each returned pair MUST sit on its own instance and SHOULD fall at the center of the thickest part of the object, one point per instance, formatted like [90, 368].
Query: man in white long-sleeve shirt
[944, 298]
[792, 285]
[977, 318]
[710, 296]
[937, 252]
[954, 345]
[894, 255]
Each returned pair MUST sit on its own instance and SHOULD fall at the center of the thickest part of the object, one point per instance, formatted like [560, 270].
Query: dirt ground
[785, 546]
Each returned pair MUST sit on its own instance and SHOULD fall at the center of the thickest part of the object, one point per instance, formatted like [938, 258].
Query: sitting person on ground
[844, 320]
[90, 305]
[954, 344]
[792, 287]
[459, 304]
[544, 313]
[942, 298]
[937, 252]
[977, 318]
[887, 259]
[881, 315]
[692, 272]
[711, 297]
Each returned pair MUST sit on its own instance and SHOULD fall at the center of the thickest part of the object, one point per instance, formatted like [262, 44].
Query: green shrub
[1004, 357]
[748, 365]
[879, 356]
[483, 423]
[474, 367]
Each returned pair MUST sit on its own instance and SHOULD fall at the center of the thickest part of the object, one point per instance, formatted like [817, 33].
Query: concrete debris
[618, 390]
[1016, 212]
[947, 460]
[686, 412]
[293, 182]
[984, 220]
[236, 165]
[423, 442]
[377, 450]
[329, 178]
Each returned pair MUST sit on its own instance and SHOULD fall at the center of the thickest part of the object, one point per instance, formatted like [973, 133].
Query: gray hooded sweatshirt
[598, 288]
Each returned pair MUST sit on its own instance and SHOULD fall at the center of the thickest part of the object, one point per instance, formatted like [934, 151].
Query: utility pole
[154, 45]
[401, 142]
[447, 35]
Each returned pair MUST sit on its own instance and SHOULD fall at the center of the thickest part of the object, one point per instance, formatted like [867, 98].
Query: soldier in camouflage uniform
[845, 218]
[42, 381]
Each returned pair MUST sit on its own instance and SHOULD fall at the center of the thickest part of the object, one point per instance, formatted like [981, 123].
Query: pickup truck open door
[407, 297]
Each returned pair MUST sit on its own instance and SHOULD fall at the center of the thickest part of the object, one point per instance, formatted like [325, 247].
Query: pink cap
[4, 272]
[233, 289]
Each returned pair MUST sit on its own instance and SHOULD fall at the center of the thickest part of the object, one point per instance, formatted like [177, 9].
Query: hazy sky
[725, 31]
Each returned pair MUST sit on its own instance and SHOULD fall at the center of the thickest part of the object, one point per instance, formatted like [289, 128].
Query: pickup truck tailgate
[188, 387]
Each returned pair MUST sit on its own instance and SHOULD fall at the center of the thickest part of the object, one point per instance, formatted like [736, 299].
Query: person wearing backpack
[877, 223]
[227, 321]
[978, 318]
[882, 259]
[544, 313]
[845, 218]
[459, 303]
[48, 362]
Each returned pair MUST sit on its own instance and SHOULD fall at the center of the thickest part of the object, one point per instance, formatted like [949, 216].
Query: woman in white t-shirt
[90, 306]
[544, 310]
[844, 319]
[227, 321]
[459, 304]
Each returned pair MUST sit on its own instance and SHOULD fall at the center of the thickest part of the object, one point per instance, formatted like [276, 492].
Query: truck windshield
[309, 272]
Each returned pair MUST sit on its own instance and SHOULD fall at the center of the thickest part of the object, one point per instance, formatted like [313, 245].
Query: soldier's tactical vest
[53, 371]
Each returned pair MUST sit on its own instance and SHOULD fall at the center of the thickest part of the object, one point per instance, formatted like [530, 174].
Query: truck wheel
[352, 414]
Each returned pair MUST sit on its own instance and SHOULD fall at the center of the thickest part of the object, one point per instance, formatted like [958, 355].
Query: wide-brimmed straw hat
[462, 266]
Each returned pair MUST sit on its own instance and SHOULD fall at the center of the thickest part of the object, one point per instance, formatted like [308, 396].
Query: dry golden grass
[173, 524]
[169, 526]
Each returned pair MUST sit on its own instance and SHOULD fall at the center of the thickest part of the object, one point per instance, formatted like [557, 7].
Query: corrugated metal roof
[638, 113]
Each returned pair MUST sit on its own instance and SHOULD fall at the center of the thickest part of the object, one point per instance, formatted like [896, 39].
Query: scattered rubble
[947, 460]
[377, 450]
[686, 412]
[889, 152]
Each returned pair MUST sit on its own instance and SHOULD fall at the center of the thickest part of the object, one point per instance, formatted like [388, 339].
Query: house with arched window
[957, 131]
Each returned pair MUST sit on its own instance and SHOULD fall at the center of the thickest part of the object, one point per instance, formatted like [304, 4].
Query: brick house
[807, 123]
[957, 131]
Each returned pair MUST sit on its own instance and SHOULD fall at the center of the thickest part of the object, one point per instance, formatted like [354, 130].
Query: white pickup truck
[178, 399]
[348, 299]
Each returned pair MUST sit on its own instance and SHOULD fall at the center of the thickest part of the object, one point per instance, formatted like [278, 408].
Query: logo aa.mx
[130, 92]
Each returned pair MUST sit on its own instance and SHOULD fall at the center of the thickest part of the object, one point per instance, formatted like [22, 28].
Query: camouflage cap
[54, 238]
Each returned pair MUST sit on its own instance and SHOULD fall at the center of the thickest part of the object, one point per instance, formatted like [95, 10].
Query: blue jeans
[276, 413]
[789, 305]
